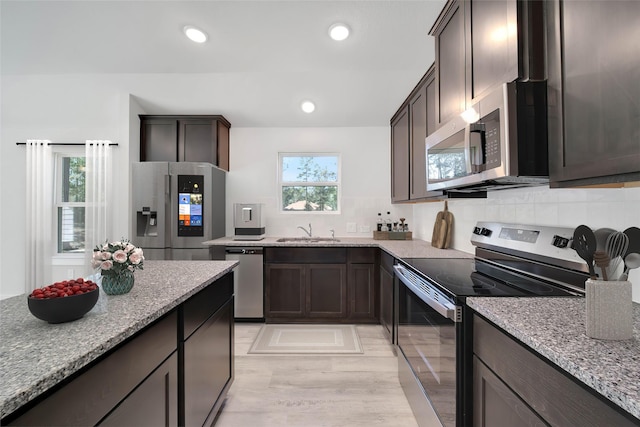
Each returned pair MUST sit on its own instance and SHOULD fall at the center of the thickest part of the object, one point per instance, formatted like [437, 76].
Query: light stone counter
[36, 355]
[397, 248]
[555, 328]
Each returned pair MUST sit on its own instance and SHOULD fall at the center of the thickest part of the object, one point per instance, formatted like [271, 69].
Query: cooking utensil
[442, 228]
[601, 237]
[631, 261]
[584, 243]
[616, 247]
[633, 233]
[602, 260]
[602, 234]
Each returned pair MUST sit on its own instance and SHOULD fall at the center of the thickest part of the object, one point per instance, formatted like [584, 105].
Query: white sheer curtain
[98, 213]
[39, 213]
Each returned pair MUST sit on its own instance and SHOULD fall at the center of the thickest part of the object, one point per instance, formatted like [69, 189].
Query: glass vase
[117, 284]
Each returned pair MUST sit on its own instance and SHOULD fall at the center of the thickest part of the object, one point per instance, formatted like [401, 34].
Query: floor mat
[307, 339]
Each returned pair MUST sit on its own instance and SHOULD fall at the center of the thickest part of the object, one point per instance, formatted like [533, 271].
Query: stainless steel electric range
[434, 330]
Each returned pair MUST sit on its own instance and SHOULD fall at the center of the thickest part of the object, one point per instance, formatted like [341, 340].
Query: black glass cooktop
[470, 277]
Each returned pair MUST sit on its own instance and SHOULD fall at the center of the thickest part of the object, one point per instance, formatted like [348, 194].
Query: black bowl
[63, 309]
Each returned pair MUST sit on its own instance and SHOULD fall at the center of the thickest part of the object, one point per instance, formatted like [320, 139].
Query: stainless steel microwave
[499, 142]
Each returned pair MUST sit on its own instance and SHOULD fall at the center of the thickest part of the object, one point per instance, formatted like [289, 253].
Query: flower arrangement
[117, 258]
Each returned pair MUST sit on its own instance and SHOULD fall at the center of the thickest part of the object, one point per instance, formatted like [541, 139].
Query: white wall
[63, 109]
[253, 177]
[616, 208]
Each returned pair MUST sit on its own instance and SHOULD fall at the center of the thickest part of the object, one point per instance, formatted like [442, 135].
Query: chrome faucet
[305, 230]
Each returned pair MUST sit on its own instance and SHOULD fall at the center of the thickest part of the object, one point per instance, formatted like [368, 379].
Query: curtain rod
[111, 144]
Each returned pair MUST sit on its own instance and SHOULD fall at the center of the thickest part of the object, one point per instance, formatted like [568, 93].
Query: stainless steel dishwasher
[248, 282]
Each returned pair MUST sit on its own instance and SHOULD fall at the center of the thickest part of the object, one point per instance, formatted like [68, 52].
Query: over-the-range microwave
[499, 142]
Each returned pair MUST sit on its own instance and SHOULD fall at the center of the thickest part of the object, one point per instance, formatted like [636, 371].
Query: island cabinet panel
[206, 352]
[106, 383]
[208, 367]
[515, 383]
[317, 285]
[153, 403]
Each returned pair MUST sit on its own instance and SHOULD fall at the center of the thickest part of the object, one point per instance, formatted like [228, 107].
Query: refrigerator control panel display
[190, 214]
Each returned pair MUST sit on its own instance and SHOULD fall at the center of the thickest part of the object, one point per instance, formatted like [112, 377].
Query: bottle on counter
[379, 222]
[388, 222]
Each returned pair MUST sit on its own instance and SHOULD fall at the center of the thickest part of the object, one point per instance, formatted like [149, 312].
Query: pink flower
[129, 248]
[106, 255]
[95, 263]
[135, 258]
[131, 268]
[120, 256]
[97, 255]
[106, 265]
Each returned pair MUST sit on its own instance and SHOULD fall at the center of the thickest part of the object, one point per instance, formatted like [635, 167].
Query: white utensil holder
[609, 309]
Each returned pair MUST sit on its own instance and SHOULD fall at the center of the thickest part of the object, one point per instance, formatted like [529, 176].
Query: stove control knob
[476, 230]
[560, 242]
[486, 232]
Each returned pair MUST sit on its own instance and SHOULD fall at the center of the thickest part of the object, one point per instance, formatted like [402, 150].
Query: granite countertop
[36, 355]
[555, 328]
[397, 248]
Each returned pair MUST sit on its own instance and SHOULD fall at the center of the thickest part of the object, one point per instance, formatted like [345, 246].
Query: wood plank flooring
[316, 390]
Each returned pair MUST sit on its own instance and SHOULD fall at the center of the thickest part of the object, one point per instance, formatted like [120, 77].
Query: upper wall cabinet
[593, 92]
[185, 139]
[410, 126]
[481, 44]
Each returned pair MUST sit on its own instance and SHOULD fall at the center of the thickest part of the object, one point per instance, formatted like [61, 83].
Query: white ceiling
[262, 58]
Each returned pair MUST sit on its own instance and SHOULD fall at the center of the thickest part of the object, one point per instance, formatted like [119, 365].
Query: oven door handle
[446, 309]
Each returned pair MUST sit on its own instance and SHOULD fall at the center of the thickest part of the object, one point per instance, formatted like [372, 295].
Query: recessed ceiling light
[338, 32]
[308, 106]
[195, 34]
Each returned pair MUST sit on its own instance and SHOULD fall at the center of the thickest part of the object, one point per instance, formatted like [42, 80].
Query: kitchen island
[39, 360]
[554, 328]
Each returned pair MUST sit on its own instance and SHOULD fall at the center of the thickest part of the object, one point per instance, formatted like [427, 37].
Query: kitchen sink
[307, 240]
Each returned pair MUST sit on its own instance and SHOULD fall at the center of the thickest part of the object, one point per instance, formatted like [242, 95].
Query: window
[309, 182]
[70, 203]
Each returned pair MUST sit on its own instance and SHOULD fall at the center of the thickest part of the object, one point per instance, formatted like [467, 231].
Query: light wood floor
[316, 390]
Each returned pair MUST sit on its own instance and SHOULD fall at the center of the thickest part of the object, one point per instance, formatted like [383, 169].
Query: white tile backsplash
[617, 208]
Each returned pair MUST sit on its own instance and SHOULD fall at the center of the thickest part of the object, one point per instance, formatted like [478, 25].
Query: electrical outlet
[352, 227]
[365, 229]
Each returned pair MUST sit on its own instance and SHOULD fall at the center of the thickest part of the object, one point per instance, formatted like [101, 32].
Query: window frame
[59, 155]
[337, 183]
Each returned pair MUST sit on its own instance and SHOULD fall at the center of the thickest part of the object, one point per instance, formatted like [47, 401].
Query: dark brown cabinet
[320, 285]
[362, 284]
[514, 386]
[450, 61]
[206, 349]
[387, 295]
[593, 92]
[481, 44]
[185, 139]
[400, 155]
[153, 403]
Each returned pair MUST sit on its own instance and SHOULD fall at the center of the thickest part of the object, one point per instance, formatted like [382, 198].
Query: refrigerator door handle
[167, 186]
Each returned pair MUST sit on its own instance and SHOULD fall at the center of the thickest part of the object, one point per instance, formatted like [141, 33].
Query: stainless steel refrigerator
[176, 207]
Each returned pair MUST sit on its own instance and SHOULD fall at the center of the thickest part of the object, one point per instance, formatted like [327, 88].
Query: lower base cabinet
[321, 285]
[515, 387]
[153, 403]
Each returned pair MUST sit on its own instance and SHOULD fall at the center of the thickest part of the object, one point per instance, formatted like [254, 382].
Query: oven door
[428, 341]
